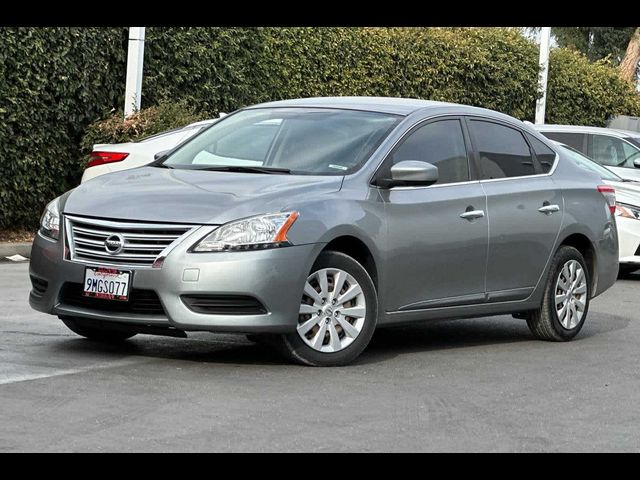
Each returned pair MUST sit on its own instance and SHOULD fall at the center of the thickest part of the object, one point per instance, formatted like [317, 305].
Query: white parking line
[8, 378]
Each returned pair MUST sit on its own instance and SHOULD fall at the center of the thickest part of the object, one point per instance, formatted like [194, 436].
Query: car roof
[616, 132]
[393, 105]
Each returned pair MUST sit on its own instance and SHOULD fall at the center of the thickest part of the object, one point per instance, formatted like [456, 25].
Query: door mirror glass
[413, 173]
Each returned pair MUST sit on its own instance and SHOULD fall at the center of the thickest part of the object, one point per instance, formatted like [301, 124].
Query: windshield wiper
[246, 169]
[163, 165]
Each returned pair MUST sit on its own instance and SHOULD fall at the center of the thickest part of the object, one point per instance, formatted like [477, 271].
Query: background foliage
[595, 42]
[148, 121]
[54, 82]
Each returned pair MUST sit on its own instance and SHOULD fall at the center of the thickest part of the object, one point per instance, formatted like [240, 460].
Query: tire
[545, 323]
[96, 333]
[340, 345]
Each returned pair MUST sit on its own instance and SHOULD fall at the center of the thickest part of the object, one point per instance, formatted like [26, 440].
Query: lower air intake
[224, 304]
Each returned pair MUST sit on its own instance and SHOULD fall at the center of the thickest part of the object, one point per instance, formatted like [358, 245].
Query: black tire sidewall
[300, 352]
[563, 255]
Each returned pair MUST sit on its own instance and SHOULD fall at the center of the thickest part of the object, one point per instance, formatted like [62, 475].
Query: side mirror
[412, 173]
[160, 154]
[636, 163]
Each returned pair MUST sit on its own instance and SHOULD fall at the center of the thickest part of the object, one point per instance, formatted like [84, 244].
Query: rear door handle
[549, 209]
[472, 214]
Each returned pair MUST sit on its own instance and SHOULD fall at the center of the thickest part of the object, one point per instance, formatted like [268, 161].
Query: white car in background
[627, 209]
[113, 157]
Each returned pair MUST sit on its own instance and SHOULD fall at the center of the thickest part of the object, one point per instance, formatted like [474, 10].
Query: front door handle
[549, 209]
[472, 214]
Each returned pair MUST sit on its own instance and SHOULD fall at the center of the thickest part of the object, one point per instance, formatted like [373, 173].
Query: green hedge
[585, 93]
[54, 82]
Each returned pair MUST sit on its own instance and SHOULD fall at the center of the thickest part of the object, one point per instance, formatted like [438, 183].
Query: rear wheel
[337, 315]
[566, 298]
[93, 332]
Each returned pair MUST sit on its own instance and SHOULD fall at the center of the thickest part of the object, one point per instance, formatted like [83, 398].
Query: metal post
[135, 61]
[545, 35]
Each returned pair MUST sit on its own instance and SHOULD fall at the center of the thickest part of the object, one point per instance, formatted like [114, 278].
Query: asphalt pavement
[457, 385]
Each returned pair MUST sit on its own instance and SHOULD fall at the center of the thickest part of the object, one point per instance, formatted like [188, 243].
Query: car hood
[188, 196]
[626, 192]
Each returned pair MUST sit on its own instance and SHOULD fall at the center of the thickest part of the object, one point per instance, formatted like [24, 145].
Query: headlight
[262, 231]
[627, 211]
[50, 221]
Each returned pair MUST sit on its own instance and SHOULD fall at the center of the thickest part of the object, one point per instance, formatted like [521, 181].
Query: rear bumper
[607, 254]
[274, 277]
[629, 234]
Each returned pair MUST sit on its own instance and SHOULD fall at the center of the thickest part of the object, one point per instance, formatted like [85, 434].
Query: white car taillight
[100, 158]
[609, 194]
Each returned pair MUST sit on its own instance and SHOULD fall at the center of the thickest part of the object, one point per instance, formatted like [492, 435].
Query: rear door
[524, 207]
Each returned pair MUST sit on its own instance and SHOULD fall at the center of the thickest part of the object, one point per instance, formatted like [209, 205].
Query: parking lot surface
[459, 385]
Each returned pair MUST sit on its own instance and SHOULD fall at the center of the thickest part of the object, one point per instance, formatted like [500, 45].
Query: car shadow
[438, 335]
[387, 343]
[201, 348]
[629, 275]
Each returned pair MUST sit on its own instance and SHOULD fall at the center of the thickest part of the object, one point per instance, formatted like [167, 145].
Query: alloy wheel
[332, 311]
[571, 294]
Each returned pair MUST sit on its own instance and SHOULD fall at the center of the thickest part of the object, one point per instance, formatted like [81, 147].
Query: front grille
[39, 286]
[141, 302]
[142, 242]
[224, 304]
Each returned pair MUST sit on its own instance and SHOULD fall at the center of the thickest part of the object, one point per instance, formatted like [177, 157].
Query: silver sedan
[309, 223]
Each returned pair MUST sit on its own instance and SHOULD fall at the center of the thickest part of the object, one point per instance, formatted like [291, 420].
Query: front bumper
[629, 235]
[275, 277]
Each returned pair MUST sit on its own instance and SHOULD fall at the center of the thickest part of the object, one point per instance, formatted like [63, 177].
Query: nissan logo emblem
[114, 243]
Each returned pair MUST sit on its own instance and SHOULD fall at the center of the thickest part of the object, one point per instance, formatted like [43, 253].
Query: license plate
[106, 283]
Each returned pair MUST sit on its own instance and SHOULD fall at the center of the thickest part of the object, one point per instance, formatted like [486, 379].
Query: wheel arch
[357, 248]
[585, 246]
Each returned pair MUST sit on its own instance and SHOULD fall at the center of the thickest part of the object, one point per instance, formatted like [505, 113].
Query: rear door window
[502, 151]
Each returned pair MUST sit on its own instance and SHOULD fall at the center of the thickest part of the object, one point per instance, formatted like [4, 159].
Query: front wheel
[566, 298]
[337, 315]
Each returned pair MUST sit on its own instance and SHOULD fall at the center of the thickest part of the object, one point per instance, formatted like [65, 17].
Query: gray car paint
[429, 263]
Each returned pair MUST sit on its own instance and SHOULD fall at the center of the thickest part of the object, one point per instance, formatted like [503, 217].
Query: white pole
[541, 104]
[135, 61]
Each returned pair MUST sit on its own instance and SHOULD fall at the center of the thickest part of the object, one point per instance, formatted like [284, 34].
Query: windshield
[588, 164]
[296, 140]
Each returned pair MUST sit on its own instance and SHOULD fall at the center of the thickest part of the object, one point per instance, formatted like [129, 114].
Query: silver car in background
[311, 222]
[617, 150]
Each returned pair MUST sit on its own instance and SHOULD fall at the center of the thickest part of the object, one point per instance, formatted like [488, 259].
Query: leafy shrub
[585, 93]
[148, 121]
